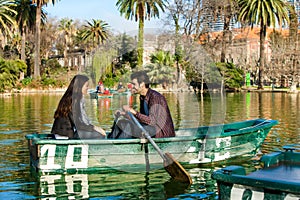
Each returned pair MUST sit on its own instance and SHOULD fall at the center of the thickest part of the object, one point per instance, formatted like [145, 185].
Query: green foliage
[53, 64]
[161, 69]
[127, 54]
[10, 52]
[47, 81]
[102, 63]
[7, 16]
[233, 77]
[26, 81]
[214, 73]
[129, 58]
[265, 13]
[140, 10]
[96, 31]
[110, 80]
[10, 72]
[178, 53]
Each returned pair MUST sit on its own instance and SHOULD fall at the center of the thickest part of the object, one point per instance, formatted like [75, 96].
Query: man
[154, 111]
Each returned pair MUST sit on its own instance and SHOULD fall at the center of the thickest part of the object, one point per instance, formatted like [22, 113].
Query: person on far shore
[70, 118]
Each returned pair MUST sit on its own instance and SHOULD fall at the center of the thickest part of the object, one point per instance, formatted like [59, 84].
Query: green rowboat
[202, 145]
[278, 179]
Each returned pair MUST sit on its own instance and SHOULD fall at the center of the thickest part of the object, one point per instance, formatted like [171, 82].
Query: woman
[70, 119]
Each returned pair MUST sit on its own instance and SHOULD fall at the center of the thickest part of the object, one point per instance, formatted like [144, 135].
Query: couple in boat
[71, 120]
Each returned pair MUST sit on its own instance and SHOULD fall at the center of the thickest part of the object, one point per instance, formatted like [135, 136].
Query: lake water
[22, 114]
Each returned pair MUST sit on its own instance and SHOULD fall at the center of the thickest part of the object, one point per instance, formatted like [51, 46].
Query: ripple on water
[15, 195]
[12, 190]
[7, 132]
[47, 125]
[8, 141]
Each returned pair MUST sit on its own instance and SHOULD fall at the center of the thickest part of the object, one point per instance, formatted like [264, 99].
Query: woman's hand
[100, 130]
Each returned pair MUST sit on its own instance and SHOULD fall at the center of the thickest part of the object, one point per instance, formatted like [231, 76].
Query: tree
[26, 13]
[161, 69]
[127, 56]
[293, 43]
[175, 12]
[7, 20]
[37, 60]
[67, 29]
[232, 77]
[226, 10]
[95, 31]
[188, 16]
[191, 19]
[10, 72]
[93, 34]
[140, 10]
[265, 13]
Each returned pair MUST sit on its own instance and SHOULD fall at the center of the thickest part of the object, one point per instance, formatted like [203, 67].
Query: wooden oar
[171, 165]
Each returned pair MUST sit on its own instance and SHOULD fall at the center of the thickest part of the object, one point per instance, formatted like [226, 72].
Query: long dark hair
[72, 95]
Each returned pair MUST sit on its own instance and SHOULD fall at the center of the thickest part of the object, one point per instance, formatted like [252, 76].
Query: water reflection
[116, 185]
[23, 114]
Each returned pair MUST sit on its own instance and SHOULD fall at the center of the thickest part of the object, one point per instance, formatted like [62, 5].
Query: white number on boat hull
[50, 157]
[224, 141]
[70, 163]
[238, 191]
[50, 150]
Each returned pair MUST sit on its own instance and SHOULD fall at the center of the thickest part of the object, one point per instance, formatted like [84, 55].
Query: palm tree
[95, 31]
[140, 10]
[26, 13]
[161, 69]
[39, 4]
[7, 20]
[266, 13]
[93, 34]
[67, 29]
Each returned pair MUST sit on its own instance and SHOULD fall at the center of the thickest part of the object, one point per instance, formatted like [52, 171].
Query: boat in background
[95, 95]
[278, 179]
[200, 145]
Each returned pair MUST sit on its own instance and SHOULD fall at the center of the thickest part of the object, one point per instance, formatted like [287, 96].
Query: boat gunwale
[267, 124]
[37, 140]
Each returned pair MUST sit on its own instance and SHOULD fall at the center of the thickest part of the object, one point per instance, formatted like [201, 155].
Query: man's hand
[127, 108]
[118, 113]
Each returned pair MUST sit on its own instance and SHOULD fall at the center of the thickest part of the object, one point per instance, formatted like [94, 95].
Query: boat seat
[282, 172]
